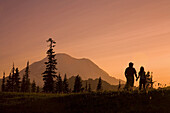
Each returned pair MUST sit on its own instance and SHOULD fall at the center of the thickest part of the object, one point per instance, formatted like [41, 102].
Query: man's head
[130, 64]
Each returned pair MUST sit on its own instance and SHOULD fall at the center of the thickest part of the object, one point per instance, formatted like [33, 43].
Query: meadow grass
[102, 102]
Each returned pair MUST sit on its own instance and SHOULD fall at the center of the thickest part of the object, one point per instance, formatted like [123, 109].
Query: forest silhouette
[80, 99]
[53, 82]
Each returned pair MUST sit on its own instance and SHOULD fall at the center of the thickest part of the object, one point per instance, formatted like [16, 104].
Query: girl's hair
[141, 69]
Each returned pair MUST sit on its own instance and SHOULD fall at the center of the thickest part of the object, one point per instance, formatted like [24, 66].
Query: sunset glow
[111, 33]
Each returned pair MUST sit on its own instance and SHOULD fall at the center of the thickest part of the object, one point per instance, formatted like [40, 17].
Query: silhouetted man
[129, 74]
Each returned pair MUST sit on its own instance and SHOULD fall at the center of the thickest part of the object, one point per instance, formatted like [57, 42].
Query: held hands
[137, 78]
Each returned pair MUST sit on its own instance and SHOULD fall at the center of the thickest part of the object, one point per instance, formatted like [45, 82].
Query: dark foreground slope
[108, 102]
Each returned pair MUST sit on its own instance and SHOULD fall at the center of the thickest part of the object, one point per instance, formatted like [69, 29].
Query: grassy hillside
[106, 102]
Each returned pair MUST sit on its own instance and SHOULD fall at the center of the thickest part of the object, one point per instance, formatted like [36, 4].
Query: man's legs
[131, 83]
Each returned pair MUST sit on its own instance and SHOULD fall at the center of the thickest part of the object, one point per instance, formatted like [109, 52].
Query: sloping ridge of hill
[70, 66]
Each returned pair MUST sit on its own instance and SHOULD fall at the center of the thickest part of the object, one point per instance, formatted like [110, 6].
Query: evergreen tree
[89, 88]
[3, 83]
[86, 87]
[77, 84]
[50, 73]
[33, 87]
[65, 85]
[23, 84]
[38, 89]
[152, 80]
[27, 79]
[59, 85]
[16, 81]
[119, 86]
[99, 86]
[13, 78]
[9, 83]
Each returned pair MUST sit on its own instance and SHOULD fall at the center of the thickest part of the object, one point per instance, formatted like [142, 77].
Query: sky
[111, 33]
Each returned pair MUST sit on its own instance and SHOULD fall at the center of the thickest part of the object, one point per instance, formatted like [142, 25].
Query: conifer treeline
[52, 82]
[12, 83]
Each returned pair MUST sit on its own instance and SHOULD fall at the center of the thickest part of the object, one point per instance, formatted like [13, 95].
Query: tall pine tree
[65, 85]
[59, 84]
[25, 83]
[9, 83]
[50, 73]
[38, 89]
[77, 84]
[89, 88]
[3, 83]
[27, 79]
[16, 81]
[119, 86]
[33, 86]
[86, 89]
[99, 86]
[13, 78]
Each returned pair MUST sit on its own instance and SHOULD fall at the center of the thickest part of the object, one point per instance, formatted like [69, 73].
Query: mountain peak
[72, 67]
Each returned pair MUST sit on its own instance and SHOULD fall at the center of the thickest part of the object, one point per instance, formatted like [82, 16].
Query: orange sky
[109, 32]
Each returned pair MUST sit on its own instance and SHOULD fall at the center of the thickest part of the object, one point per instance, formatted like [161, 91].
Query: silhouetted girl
[142, 80]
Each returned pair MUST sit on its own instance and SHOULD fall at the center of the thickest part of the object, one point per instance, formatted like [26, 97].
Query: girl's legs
[140, 84]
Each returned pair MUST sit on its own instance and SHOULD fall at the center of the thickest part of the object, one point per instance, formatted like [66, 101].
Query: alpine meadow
[91, 56]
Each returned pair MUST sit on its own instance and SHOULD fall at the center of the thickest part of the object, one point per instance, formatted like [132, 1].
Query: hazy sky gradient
[109, 32]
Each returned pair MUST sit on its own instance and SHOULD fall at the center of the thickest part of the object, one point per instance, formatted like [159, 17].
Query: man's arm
[126, 72]
[137, 77]
[135, 73]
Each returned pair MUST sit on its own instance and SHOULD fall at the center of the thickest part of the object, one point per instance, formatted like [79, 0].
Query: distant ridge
[93, 82]
[72, 67]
